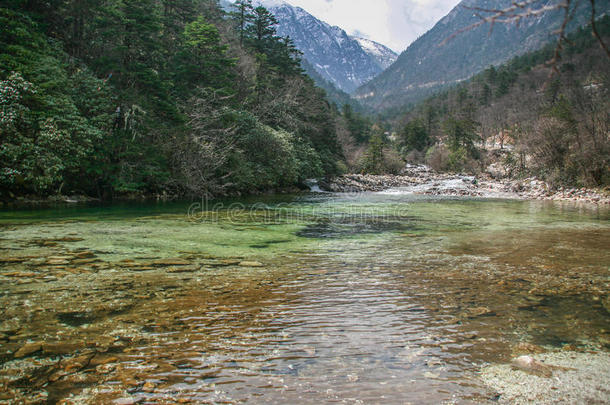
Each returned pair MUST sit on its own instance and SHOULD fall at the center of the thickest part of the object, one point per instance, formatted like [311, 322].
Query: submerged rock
[84, 261]
[101, 360]
[4, 260]
[141, 268]
[125, 401]
[220, 263]
[532, 366]
[251, 264]
[61, 347]
[183, 269]
[171, 262]
[57, 262]
[68, 239]
[84, 255]
[77, 363]
[478, 311]
[28, 349]
[528, 348]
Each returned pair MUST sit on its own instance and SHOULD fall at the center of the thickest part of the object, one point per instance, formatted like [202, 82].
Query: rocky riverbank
[422, 180]
[560, 377]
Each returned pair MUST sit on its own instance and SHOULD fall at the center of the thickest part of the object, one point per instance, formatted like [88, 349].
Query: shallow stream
[367, 298]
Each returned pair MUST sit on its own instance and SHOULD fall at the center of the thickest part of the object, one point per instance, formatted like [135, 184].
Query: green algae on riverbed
[328, 298]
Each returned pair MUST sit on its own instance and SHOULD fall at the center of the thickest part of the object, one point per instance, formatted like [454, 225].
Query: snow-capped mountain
[383, 55]
[344, 61]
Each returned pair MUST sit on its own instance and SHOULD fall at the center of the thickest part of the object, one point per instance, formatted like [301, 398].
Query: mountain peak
[271, 3]
[338, 58]
[384, 55]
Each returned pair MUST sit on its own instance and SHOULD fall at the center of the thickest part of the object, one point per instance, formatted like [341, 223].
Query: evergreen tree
[358, 125]
[414, 136]
[461, 133]
[261, 33]
[203, 59]
[373, 158]
[243, 17]
[485, 94]
[110, 100]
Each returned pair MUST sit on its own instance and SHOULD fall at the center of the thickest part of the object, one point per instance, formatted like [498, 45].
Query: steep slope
[427, 65]
[338, 58]
[333, 94]
[516, 109]
[383, 55]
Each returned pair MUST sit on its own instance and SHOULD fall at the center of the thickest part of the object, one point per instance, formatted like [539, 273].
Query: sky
[394, 23]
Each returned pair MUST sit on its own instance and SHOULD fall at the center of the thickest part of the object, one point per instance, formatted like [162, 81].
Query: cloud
[358, 33]
[412, 18]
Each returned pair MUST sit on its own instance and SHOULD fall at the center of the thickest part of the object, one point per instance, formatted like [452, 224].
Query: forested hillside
[440, 58]
[522, 117]
[155, 97]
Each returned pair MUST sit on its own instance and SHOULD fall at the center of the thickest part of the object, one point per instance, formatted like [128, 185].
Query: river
[364, 298]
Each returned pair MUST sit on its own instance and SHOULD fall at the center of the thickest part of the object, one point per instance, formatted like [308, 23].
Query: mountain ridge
[426, 66]
[338, 57]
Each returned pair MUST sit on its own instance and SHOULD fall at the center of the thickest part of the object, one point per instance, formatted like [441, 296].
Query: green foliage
[266, 158]
[358, 125]
[373, 158]
[485, 94]
[243, 16]
[554, 128]
[415, 136]
[54, 112]
[461, 134]
[278, 54]
[97, 98]
[202, 59]
[458, 158]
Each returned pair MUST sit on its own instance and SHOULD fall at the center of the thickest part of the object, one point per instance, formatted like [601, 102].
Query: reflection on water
[368, 299]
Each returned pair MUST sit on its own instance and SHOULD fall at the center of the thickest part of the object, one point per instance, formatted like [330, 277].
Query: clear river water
[313, 298]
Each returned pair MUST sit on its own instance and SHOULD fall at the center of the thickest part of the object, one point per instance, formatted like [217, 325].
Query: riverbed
[320, 297]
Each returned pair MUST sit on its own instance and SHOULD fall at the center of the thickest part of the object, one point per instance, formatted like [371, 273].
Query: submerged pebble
[364, 315]
[251, 264]
[528, 348]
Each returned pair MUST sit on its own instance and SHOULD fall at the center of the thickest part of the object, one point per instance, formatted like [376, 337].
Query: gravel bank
[585, 381]
[423, 180]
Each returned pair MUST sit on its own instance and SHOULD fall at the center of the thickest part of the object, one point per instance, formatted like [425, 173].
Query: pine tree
[261, 33]
[243, 17]
[202, 59]
[414, 136]
[373, 158]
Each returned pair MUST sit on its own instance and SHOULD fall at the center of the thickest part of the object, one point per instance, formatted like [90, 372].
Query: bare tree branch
[510, 15]
[202, 155]
[595, 32]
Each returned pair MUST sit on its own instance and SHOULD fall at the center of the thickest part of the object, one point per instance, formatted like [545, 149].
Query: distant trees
[358, 125]
[373, 158]
[550, 128]
[415, 136]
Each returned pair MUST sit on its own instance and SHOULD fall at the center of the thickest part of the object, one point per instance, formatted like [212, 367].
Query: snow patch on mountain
[382, 54]
[335, 55]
